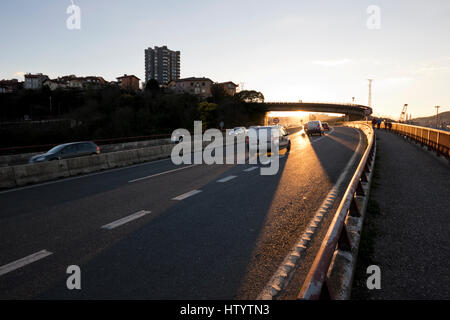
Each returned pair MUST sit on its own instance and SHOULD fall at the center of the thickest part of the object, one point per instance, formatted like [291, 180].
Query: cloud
[395, 81]
[19, 73]
[433, 66]
[331, 63]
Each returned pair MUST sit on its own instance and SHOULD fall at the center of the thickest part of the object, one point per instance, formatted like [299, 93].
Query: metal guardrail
[316, 286]
[436, 140]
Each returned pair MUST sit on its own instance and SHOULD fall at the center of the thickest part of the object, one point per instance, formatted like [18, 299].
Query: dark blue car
[67, 150]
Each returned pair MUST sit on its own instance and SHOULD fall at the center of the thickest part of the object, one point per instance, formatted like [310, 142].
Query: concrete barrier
[7, 178]
[38, 172]
[87, 164]
[152, 153]
[22, 158]
[20, 175]
[122, 158]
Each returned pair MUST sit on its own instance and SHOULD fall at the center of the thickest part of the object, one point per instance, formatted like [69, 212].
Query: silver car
[254, 144]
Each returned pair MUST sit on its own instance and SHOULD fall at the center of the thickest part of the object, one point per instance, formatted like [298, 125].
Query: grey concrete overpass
[354, 111]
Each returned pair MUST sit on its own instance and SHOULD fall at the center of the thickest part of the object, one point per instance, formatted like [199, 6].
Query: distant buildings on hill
[200, 86]
[38, 81]
[161, 65]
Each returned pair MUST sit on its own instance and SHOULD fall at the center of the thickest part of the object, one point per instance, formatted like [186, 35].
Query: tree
[152, 86]
[218, 93]
[207, 112]
[250, 96]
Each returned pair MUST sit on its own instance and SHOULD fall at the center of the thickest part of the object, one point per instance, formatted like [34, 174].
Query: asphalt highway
[161, 231]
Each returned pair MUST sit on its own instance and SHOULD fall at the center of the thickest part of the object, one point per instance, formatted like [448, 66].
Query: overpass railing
[317, 284]
[436, 140]
[316, 102]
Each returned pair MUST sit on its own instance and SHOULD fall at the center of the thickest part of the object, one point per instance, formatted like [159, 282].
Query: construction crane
[403, 114]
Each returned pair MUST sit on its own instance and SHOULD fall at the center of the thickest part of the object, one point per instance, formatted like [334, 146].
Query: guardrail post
[359, 188]
[364, 176]
[354, 210]
[367, 168]
[437, 144]
[344, 242]
[325, 293]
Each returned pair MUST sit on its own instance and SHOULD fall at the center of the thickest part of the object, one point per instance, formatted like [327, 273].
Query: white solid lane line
[24, 261]
[226, 179]
[250, 169]
[161, 173]
[126, 219]
[187, 195]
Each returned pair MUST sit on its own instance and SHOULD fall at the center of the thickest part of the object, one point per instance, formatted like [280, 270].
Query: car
[325, 126]
[66, 151]
[177, 137]
[314, 127]
[237, 131]
[284, 141]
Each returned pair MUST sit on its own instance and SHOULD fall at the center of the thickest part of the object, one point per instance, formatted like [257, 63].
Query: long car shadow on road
[341, 147]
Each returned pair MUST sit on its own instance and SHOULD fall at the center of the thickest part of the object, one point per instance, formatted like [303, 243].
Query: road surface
[160, 231]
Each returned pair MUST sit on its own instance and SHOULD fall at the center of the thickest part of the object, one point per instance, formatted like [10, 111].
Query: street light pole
[437, 115]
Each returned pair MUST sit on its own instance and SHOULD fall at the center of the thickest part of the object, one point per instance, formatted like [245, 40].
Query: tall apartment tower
[162, 64]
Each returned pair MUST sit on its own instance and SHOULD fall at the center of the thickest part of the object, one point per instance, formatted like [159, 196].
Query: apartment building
[162, 64]
[34, 81]
[7, 86]
[128, 82]
[192, 85]
[72, 81]
[229, 87]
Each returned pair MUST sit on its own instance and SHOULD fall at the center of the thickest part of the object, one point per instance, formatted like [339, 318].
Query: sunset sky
[289, 50]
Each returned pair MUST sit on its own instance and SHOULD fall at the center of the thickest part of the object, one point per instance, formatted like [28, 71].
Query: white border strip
[161, 173]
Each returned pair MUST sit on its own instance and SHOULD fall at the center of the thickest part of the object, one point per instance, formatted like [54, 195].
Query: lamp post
[437, 115]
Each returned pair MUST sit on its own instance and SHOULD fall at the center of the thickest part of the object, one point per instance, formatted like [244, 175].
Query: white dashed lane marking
[226, 179]
[24, 261]
[122, 221]
[187, 195]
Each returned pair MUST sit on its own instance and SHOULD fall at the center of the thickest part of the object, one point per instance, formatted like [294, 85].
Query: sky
[289, 50]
